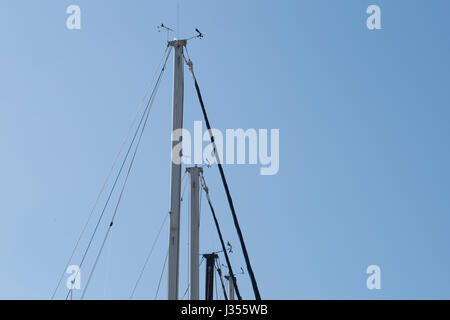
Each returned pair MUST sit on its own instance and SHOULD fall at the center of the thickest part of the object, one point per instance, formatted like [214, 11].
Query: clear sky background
[364, 135]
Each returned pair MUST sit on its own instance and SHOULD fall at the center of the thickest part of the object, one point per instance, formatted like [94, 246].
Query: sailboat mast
[194, 236]
[175, 172]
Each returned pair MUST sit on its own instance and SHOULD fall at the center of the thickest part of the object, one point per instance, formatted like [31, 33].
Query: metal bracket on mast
[177, 43]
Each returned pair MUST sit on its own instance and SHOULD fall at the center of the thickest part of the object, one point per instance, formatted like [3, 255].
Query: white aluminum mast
[194, 237]
[175, 172]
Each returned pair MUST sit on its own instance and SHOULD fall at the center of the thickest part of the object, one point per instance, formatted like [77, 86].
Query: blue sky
[364, 134]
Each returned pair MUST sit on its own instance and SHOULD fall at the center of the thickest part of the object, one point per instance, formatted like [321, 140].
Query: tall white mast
[175, 172]
[194, 236]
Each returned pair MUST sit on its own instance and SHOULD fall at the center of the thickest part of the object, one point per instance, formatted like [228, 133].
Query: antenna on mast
[199, 35]
[163, 27]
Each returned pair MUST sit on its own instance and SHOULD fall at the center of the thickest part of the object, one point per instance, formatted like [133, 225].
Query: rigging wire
[141, 106]
[153, 247]
[148, 256]
[127, 176]
[182, 195]
[149, 105]
[185, 185]
[225, 184]
[217, 287]
[205, 187]
[162, 273]
[189, 285]
[185, 292]
[146, 111]
[219, 271]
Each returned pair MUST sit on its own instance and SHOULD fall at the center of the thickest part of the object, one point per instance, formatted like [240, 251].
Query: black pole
[209, 280]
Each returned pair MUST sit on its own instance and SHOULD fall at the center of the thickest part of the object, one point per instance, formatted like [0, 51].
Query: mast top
[182, 43]
[177, 43]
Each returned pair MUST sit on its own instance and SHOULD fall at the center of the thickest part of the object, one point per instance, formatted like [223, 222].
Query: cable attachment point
[190, 65]
[204, 186]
